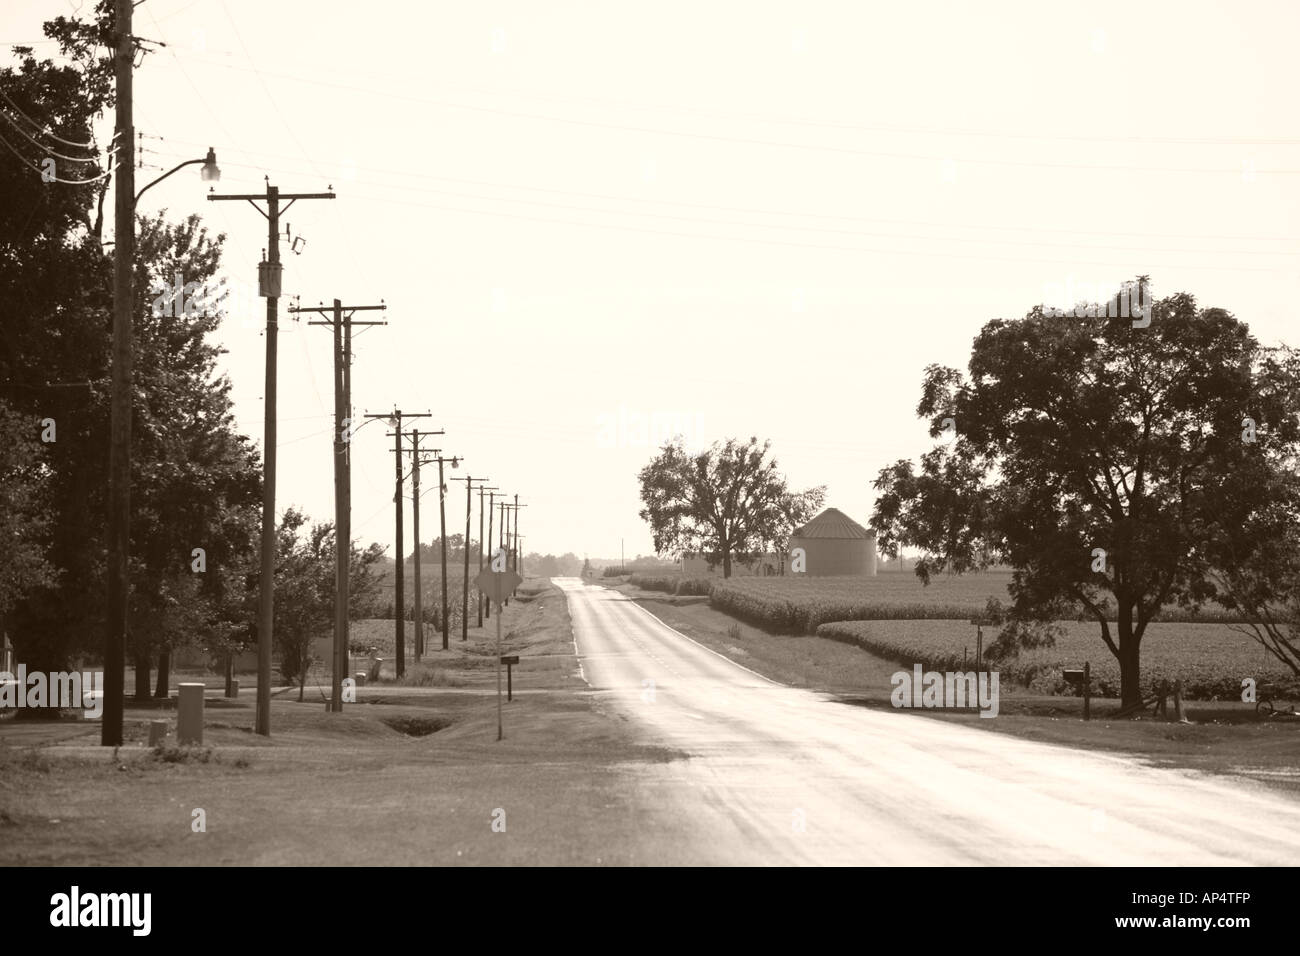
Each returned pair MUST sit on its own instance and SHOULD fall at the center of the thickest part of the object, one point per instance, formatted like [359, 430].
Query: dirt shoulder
[353, 788]
[1223, 737]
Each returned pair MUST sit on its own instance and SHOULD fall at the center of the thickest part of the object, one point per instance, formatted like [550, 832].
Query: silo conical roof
[833, 523]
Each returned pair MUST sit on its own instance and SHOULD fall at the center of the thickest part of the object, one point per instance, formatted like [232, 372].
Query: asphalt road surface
[787, 776]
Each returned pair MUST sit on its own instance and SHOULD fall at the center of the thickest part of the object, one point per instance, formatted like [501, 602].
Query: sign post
[497, 581]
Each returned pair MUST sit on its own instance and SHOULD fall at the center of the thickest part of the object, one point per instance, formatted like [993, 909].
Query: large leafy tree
[1094, 457]
[1252, 541]
[193, 476]
[190, 467]
[55, 283]
[729, 502]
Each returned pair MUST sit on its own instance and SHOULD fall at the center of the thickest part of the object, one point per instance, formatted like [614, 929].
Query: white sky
[756, 218]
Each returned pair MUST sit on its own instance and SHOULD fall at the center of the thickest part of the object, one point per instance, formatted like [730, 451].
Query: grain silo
[836, 544]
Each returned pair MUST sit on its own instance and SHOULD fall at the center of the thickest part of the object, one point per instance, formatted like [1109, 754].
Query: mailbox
[510, 662]
[1081, 678]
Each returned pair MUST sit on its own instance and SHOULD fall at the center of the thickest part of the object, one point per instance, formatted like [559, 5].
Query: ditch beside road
[410, 774]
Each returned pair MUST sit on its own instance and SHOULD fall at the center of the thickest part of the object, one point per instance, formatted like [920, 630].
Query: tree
[305, 587]
[192, 474]
[1253, 537]
[190, 468]
[55, 283]
[728, 502]
[1090, 455]
[24, 514]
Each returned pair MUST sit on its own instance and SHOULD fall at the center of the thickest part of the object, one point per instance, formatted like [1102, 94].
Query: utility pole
[515, 508]
[399, 610]
[119, 456]
[519, 554]
[482, 598]
[341, 322]
[419, 545]
[505, 537]
[442, 512]
[469, 509]
[491, 514]
[268, 275]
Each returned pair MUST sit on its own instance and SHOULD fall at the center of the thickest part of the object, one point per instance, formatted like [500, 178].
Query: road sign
[497, 585]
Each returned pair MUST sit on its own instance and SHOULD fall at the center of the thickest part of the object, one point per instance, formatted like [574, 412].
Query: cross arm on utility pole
[252, 197]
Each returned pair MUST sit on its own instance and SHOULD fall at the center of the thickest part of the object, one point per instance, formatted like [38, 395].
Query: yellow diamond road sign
[497, 585]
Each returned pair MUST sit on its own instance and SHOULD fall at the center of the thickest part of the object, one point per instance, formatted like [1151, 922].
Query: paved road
[781, 775]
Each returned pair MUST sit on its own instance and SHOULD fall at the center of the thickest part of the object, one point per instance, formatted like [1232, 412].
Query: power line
[775, 226]
[43, 147]
[768, 212]
[49, 177]
[752, 141]
[789, 120]
[807, 245]
[44, 131]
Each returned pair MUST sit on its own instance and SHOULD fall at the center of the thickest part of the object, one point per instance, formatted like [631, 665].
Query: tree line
[1117, 466]
[195, 479]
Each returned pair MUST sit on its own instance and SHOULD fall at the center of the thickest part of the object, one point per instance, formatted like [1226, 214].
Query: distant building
[835, 544]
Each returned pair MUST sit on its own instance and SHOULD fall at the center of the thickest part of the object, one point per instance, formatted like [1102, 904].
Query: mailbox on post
[510, 662]
[1081, 678]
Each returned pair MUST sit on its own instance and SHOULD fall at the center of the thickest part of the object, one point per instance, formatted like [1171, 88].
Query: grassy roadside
[410, 774]
[1223, 737]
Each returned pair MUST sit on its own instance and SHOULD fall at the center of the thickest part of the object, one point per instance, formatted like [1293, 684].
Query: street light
[119, 456]
[210, 173]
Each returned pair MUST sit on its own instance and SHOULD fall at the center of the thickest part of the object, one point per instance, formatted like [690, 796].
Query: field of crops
[1210, 659]
[798, 605]
[671, 583]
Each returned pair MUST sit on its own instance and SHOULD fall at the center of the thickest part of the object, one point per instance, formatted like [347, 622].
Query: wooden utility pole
[119, 455]
[511, 541]
[399, 608]
[442, 512]
[504, 545]
[469, 510]
[482, 598]
[419, 545]
[491, 515]
[268, 275]
[341, 322]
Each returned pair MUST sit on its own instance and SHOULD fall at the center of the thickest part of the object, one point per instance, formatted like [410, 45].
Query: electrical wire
[796, 121]
[42, 147]
[51, 178]
[753, 141]
[810, 245]
[45, 131]
[771, 212]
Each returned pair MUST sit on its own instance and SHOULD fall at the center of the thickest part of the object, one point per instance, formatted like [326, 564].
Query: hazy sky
[750, 218]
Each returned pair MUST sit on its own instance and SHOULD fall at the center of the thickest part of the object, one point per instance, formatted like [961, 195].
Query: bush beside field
[672, 583]
[799, 605]
[1210, 659]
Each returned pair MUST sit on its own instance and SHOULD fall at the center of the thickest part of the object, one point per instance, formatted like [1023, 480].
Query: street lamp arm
[188, 162]
[210, 172]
